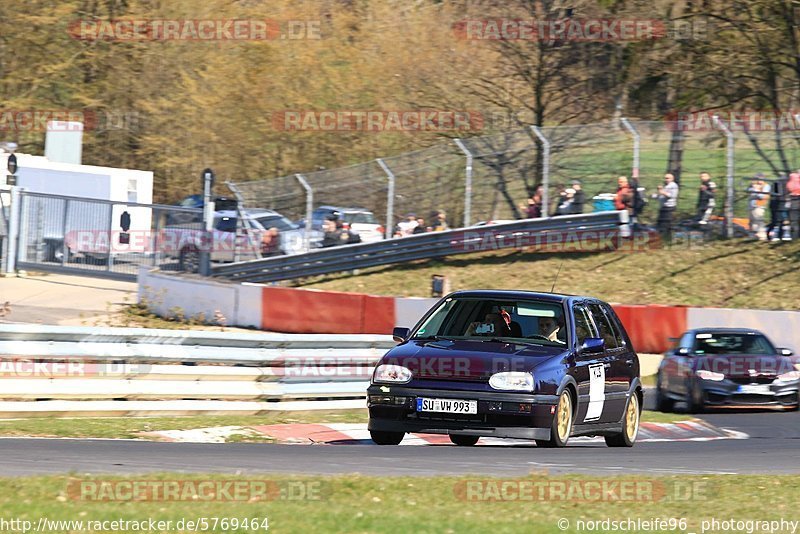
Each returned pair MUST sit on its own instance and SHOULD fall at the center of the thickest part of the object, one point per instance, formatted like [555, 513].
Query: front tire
[663, 403]
[386, 438]
[630, 425]
[561, 427]
[694, 399]
[464, 441]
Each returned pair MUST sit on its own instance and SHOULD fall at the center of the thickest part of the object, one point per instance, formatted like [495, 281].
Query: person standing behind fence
[534, 208]
[759, 197]
[623, 200]
[777, 208]
[439, 221]
[706, 198]
[580, 197]
[668, 197]
[793, 191]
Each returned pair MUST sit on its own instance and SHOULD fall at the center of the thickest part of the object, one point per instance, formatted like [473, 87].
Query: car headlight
[393, 374]
[790, 376]
[512, 380]
[710, 375]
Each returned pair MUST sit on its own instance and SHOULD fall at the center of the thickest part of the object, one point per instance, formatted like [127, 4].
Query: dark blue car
[513, 364]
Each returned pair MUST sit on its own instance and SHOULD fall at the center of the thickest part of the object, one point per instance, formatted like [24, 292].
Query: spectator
[668, 197]
[778, 212]
[420, 227]
[439, 221]
[407, 227]
[793, 191]
[559, 198]
[706, 198]
[579, 199]
[759, 197]
[534, 208]
[624, 197]
[271, 242]
[567, 202]
[333, 235]
[637, 201]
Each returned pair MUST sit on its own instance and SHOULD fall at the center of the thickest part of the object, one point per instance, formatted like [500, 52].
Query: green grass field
[735, 274]
[356, 503]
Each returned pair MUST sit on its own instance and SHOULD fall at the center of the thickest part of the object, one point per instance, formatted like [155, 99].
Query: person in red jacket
[624, 197]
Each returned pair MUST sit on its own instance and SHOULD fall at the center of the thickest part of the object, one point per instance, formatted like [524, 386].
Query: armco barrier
[83, 363]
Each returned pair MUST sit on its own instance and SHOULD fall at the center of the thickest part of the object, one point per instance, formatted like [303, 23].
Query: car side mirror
[593, 345]
[786, 352]
[683, 351]
[400, 334]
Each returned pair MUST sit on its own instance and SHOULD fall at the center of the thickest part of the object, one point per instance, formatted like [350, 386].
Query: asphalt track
[774, 447]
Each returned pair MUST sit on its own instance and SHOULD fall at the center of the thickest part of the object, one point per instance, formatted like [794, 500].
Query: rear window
[360, 217]
[276, 221]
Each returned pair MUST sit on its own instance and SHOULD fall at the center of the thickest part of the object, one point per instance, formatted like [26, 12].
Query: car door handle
[629, 362]
[607, 365]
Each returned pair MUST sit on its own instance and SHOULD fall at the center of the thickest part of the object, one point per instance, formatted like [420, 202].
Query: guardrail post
[545, 169]
[729, 194]
[389, 199]
[13, 231]
[636, 146]
[309, 209]
[467, 184]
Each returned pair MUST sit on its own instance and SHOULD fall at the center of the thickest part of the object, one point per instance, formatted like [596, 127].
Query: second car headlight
[710, 375]
[512, 381]
[391, 374]
[790, 376]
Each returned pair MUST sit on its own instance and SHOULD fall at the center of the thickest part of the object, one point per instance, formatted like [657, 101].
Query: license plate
[447, 405]
[755, 389]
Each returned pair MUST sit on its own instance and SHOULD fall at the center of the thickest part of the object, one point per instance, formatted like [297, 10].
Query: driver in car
[550, 328]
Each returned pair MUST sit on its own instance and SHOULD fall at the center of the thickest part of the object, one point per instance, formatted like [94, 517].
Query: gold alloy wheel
[564, 415]
[632, 418]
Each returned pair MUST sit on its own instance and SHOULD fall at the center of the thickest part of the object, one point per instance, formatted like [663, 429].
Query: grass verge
[355, 503]
[131, 427]
[737, 274]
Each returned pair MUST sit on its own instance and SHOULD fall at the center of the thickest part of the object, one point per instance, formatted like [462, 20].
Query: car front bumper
[500, 414]
[730, 393]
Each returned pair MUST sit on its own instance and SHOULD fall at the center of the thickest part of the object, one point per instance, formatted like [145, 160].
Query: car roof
[339, 208]
[250, 213]
[520, 294]
[724, 330]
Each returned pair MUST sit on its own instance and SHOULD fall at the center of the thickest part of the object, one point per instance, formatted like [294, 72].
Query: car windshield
[359, 217]
[276, 221]
[732, 343]
[528, 320]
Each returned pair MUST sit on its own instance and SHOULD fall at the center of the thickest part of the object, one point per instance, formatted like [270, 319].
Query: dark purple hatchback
[512, 364]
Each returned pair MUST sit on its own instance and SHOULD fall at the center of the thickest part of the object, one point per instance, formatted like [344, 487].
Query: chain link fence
[490, 178]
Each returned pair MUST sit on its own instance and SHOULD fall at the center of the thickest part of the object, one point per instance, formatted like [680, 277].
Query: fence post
[309, 209]
[467, 183]
[389, 199]
[729, 157]
[545, 170]
[636, 146]
[13, 231]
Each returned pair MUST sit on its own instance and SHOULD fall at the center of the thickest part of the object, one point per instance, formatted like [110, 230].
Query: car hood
[745, 365]
[467, 359]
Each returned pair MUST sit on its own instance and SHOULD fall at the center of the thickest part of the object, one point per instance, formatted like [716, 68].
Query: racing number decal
[597, 392]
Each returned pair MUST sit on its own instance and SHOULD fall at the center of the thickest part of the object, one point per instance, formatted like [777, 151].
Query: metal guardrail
[85, 363]
[419, 247]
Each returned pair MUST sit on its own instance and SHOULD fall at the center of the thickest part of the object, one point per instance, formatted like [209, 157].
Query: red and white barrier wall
[311, 311]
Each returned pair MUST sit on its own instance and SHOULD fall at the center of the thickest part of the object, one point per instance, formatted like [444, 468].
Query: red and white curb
[357, 434]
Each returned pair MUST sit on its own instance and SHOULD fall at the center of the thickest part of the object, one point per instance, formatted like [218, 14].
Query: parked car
[727, 367]
[513, 364]
[359, 221]
[185, 241]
